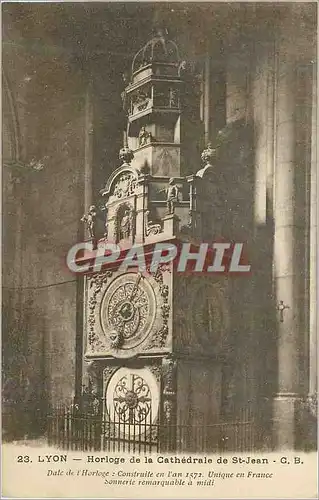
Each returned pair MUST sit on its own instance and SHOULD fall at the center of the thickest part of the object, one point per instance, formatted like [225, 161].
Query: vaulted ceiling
[87, 29]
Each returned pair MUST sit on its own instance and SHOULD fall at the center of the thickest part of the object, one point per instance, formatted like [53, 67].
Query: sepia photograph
[159, 236]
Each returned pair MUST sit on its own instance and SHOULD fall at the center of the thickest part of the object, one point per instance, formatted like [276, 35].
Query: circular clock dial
[132, 400]
[128, 310]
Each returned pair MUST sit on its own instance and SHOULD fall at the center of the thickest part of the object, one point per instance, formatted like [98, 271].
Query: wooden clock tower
[154, 343]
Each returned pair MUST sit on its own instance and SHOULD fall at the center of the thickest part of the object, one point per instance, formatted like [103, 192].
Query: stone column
[313, 348]
[285, 268]
[207, 97]
[81, 377]
[213, 112]
[88, 151]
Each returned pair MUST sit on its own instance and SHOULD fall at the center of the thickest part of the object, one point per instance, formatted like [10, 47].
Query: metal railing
[74, 430]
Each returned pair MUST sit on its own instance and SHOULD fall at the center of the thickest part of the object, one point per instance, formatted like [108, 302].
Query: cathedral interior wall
[43, 189]
[62, 115]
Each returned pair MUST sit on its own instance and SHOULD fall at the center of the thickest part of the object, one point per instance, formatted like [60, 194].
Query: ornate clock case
[154, 343]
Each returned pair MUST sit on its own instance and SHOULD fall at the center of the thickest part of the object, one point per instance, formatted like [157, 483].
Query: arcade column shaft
[285, 258]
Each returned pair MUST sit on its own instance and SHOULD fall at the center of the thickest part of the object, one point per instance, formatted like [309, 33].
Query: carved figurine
[125, 225]
[89, 219]
[116, 339]
[144, 137]
[172, 195]
[208, 155]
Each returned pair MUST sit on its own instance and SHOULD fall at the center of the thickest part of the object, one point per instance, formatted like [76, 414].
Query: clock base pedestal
[167, 404]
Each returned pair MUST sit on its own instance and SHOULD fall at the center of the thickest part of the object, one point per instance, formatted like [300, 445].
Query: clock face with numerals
[128, 311]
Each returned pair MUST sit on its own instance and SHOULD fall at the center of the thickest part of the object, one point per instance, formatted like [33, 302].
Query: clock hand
[135, 287]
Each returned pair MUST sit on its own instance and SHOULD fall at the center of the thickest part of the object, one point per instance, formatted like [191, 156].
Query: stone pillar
[88, 148]
[141, 207]
[313, 297]
[81, 376]
[285, 268]
[207, 97]
[213, 104]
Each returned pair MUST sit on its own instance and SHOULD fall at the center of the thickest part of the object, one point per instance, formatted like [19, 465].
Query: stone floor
[32, 443]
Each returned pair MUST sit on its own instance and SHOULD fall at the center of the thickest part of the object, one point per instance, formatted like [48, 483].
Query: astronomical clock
[154, 342]
[128, 313]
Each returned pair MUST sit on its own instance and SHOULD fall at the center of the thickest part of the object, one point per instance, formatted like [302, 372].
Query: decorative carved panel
[200, 314]
[127, 313]
[125, 185]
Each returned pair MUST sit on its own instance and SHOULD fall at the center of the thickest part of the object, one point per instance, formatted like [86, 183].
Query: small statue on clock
[144, 137]
[172, 195]
[125, 225]
[90, 220]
